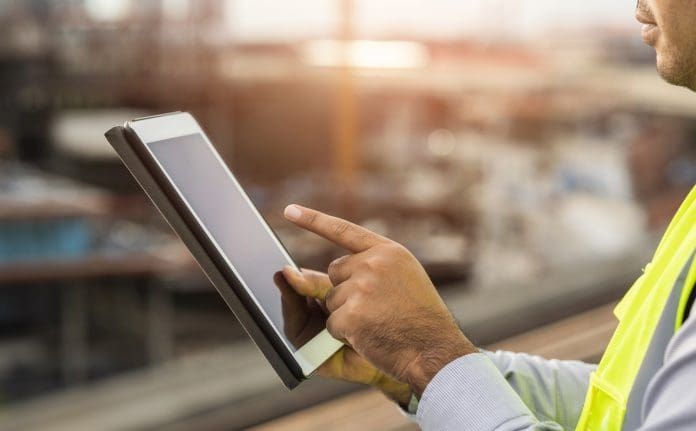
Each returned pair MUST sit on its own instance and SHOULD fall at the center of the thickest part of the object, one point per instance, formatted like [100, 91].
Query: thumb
[309, 283]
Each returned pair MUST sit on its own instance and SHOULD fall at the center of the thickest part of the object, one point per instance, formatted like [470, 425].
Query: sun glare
[366, 54]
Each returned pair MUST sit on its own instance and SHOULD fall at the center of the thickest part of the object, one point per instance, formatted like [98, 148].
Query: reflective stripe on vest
[639, 314]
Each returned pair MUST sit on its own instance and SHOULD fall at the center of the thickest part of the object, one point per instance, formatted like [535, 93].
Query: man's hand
[383, 304]
[303, 311]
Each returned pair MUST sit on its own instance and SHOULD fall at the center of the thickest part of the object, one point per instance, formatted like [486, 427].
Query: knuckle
[330, 300]
[316, 279]
[311, 217]
[397, 250]
[360, 287]
[333, 326]
[332, 267]
[337, 271]
[395, 247]
[340, 228]
[352, 310]
[374, 262]
[303, 288]
[363, 237]
[336, 264]
[319, 287]
[331, 271]
[365, 264]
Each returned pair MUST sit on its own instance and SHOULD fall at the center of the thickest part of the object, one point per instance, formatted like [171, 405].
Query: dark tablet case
[231, 291]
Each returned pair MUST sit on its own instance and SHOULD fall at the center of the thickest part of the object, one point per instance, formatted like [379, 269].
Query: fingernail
[292, 213]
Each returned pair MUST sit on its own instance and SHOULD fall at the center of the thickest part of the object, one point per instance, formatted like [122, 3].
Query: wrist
[428, 363]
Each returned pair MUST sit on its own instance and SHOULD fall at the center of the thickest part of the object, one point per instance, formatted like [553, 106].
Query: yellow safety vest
[638, 313]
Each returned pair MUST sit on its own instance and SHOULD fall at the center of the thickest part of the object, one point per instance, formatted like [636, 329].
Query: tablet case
[118, 138]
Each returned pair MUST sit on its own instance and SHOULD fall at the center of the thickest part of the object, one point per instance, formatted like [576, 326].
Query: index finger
[350, 236]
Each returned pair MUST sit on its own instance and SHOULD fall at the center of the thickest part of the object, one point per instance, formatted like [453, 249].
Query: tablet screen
[229, 218]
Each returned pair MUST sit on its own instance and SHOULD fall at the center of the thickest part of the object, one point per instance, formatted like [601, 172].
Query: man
[401, 338]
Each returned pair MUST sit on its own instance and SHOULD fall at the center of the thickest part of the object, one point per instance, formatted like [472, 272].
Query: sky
[442, 19]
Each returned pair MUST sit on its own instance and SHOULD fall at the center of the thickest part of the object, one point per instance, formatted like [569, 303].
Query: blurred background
[525, 151]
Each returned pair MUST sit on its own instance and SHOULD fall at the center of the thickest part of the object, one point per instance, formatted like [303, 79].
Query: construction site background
[526, 153]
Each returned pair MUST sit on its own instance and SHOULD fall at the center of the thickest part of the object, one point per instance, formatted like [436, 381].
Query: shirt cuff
[470, 393]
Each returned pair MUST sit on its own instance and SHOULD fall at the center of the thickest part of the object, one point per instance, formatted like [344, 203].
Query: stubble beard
[676, 62]
[678, 68]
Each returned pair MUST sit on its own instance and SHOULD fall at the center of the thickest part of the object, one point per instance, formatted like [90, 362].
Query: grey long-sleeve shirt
[517, 392]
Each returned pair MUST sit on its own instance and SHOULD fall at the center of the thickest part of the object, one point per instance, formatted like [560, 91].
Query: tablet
[185, 177]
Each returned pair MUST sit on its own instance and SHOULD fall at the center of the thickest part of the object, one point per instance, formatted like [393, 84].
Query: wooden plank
[582, 337]
[235, 379]
[491, 313]
[147, 398]
[367, 410]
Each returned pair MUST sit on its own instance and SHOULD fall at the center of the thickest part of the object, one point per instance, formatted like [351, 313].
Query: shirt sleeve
[506, 391]
[552, 390]
[471, 393]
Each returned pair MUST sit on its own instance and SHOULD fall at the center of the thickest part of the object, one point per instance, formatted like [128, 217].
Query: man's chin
[676, 75]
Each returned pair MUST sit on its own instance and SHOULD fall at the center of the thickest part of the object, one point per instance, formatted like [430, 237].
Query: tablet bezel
[291, 366]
